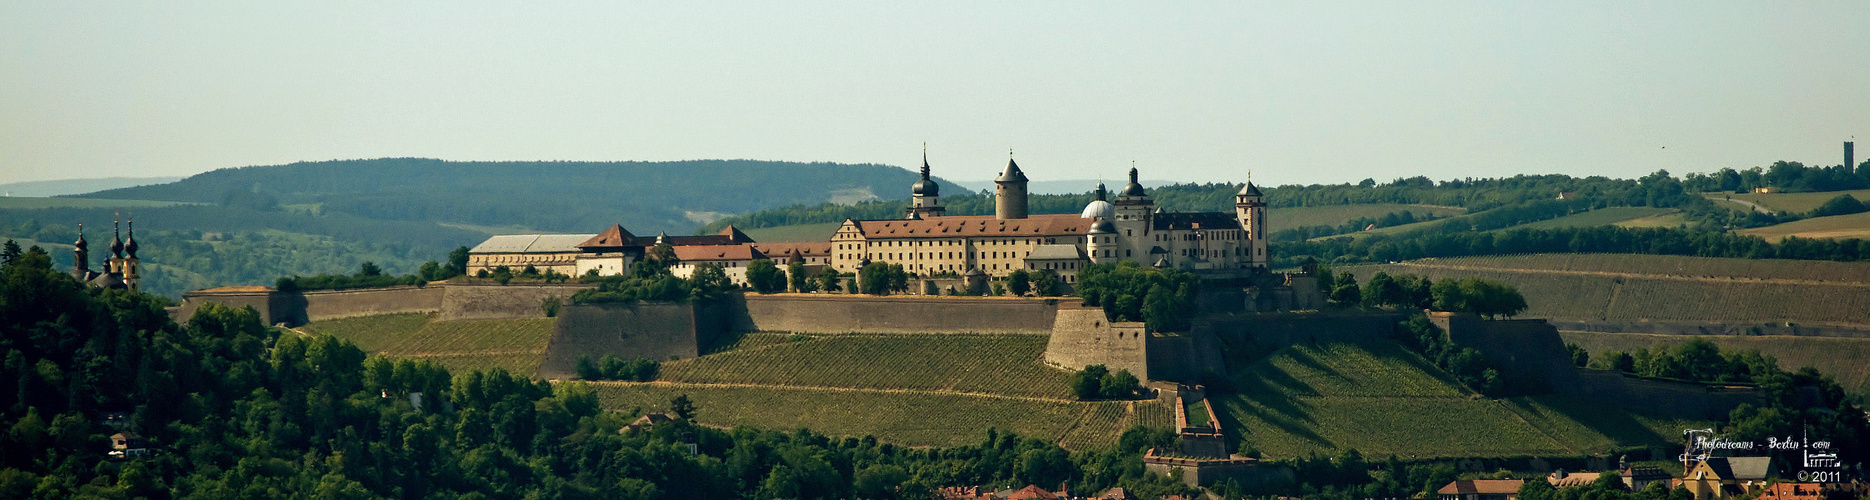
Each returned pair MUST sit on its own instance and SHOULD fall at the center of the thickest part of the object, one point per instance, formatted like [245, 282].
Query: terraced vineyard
[903, 417]
[1600, 217]
[513, 344]
[990, 364]
[1634, 288]
[1840, 358]
[1381, 399]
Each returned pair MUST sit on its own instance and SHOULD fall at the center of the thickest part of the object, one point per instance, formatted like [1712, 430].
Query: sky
[1292, 92]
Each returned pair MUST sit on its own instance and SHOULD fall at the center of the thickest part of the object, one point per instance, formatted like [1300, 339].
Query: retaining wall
[1282, 328]
[297, 308]
[644, 330]
[462, 301]
[825, 313]
[1528, 353]
[1082, 337]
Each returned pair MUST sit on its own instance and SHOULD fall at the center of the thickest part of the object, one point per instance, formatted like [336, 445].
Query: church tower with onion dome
[925, 194]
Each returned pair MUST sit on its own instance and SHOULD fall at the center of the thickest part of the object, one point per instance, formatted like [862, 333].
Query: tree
[1383, 290]
[9, 252]
[874, 278]
[998, 289]
[710, 282]
[1088, 384]
[1578, 355]
[683, 408]
[828, 280]
[801, 282]
[1119, 385]
[1046, 284]
[1019, 282]
[369, 269]
[1345, 291]
[430, 271]
[457, 262]
[765, 277]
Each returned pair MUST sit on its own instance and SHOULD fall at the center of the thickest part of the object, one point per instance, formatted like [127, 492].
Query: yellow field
[1335, 215]
[1600, 217]
[513, 344]
[1836, 226]
[1791, 202]
[1844, 359]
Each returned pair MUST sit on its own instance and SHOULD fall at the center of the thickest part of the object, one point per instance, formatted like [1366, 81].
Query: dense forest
[550, 196]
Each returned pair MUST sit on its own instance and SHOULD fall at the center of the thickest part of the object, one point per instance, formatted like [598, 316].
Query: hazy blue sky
[1297, 92]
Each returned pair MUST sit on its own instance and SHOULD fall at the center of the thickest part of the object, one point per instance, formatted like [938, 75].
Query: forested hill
[674, 196]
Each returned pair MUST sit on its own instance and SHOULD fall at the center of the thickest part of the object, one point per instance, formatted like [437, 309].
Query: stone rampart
[1529, 354]
[1082, 337]
[1729, 329]
[1283, 328]
[297, 308]
[1682, 399]
[826, 313]
[476, 301]
[643, 330]
[262, 300]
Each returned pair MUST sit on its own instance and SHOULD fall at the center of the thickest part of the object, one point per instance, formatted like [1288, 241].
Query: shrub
[1088, 384]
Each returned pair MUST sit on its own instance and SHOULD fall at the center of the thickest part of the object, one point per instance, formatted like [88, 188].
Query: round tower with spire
[1009, 191]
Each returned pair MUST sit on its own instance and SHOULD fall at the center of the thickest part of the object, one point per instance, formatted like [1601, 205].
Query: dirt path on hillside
[661, 383]
[1677, 277]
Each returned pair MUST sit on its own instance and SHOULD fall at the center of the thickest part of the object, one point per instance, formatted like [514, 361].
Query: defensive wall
[1081, 337]
[462, 301]
[1531, 358]
[1283, 328]
[832, 314]
[642, 330]
[1706, 328]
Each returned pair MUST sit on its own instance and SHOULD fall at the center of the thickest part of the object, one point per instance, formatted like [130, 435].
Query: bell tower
[1250, 210]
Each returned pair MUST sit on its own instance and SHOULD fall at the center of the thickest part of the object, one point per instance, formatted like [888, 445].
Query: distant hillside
[674, 196]
[74, 186]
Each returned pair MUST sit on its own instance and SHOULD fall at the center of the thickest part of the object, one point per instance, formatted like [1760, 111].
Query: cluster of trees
[1599, 239]
[1608, 486]
[882, 278]
[1696, 360]
[650, 279]
[370, 275]
[231, 408]
[1785, 175]
[1164, 299]
[765, 277]
[1468, 366]
[1472, 295]
[1098, 382]
[613, 368]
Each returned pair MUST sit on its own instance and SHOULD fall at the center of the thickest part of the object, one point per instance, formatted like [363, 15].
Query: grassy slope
[30, 203]
[1836, 226]
[1792, 202]
[513, 344]
[1380, 399]
[1624, 288]
[1840, 358]
[1284, 218]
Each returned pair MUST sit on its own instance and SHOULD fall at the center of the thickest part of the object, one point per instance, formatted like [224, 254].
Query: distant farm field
[12, 202]
[1005, 365]
[1792, 202]
[1284, 218]
[1381, 399]
[513, 344]
[902, 417]
[1600, 217]
[1845, 359]
[1836, 226]
[1635, 288]
[800, 232]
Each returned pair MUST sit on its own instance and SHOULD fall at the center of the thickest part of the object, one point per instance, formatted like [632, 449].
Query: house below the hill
[1481, 489]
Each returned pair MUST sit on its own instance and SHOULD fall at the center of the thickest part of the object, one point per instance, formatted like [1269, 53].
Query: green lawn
[1600, 217]
[992, 364]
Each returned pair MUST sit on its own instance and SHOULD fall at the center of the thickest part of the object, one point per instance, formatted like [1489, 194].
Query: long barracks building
[928, 242]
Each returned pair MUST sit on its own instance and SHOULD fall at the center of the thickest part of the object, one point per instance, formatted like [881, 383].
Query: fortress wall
[501, 301]
[1183, 358]
[1282, 328]
[825, 313]
[1082, 337]
[333, 304]
[1729, 329]
[1529, 353]
[643, 330]
[1660, 396]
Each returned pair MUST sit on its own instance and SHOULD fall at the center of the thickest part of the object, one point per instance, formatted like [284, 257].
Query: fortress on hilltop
[928, 242]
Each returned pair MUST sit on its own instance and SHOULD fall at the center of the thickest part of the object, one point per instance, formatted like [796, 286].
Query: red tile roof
[614, 237]
[976, 225]
[1482, 487]
[1032, 492]
[705, 253]
[805, 248]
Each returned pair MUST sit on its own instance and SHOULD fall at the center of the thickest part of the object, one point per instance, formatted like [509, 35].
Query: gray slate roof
[532, 243]
[1056, 252]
